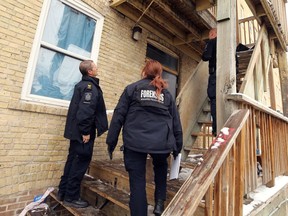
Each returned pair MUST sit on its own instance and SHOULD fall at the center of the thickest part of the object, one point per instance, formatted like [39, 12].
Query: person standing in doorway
[151, 125]
[209, 54]
[86, 114]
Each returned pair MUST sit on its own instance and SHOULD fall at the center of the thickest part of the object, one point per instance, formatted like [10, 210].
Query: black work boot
[79, 203]
[159, 207]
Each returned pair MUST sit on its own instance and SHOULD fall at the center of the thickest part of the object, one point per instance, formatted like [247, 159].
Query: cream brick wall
[32, 148]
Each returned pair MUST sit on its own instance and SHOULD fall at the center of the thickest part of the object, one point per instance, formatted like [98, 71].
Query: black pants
[135, 164]
[213, 114]
[77, 162]
[211, 91]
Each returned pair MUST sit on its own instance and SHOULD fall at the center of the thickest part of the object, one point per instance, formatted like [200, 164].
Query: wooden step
[207, 109]
[244, 53]
[193, 150]
[188, 165]
[202, 134]
[206, 122]
[90, 210]
[115, 177]
[241, 74]
[108, 192]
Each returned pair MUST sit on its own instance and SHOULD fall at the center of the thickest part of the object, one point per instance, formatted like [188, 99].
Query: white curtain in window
[56, 73]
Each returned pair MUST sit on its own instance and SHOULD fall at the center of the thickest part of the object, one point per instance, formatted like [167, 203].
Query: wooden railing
[229, 169]
[267, 135]
[249, 27]
[248, 31]
[216, 177]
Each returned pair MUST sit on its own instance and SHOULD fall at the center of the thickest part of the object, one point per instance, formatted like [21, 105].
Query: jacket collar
[91, 79]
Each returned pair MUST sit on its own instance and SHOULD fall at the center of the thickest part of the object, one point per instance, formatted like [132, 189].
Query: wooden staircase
[243, 62]
[106, 188]
[201, 133]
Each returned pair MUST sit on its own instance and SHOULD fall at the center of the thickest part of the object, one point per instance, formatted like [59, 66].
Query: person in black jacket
[209, 54]
[151, 125]
[86, 114]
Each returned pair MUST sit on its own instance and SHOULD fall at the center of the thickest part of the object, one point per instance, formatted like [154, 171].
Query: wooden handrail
[186, 100]
[186, 201]
[246, 19]
[244, 99]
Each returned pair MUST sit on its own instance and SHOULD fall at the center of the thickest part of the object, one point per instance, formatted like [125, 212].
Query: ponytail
[153, 70]
[160, 84]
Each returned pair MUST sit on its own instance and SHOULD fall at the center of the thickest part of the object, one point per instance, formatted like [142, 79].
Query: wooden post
[283, 69]
[226, 63]
[240, 172]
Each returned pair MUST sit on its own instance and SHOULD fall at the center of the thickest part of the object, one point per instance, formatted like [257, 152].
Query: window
[68, 32]
[170, 66]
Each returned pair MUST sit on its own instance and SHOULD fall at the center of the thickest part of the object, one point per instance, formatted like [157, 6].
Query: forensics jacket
[87, 111]
[150, 125]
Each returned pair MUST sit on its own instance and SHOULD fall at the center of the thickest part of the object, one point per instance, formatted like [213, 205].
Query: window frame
[38, 44]
[166, 69]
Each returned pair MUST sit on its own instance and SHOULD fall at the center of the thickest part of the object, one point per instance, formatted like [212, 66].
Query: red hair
[153, 70]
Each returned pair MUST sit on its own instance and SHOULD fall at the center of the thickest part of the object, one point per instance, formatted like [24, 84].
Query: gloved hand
[110, 150]
[175, 154]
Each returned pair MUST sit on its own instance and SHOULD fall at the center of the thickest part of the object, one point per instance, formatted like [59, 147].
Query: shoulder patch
[89, 86]
[88, 96]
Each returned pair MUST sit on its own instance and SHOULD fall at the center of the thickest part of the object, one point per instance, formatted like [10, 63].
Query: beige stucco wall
[32, 148]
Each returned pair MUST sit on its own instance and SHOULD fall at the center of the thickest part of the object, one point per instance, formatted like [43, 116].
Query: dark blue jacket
[87, 111]
[150, 125]
[209, 54]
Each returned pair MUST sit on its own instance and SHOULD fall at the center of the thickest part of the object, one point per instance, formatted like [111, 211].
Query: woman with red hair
[151, 125]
